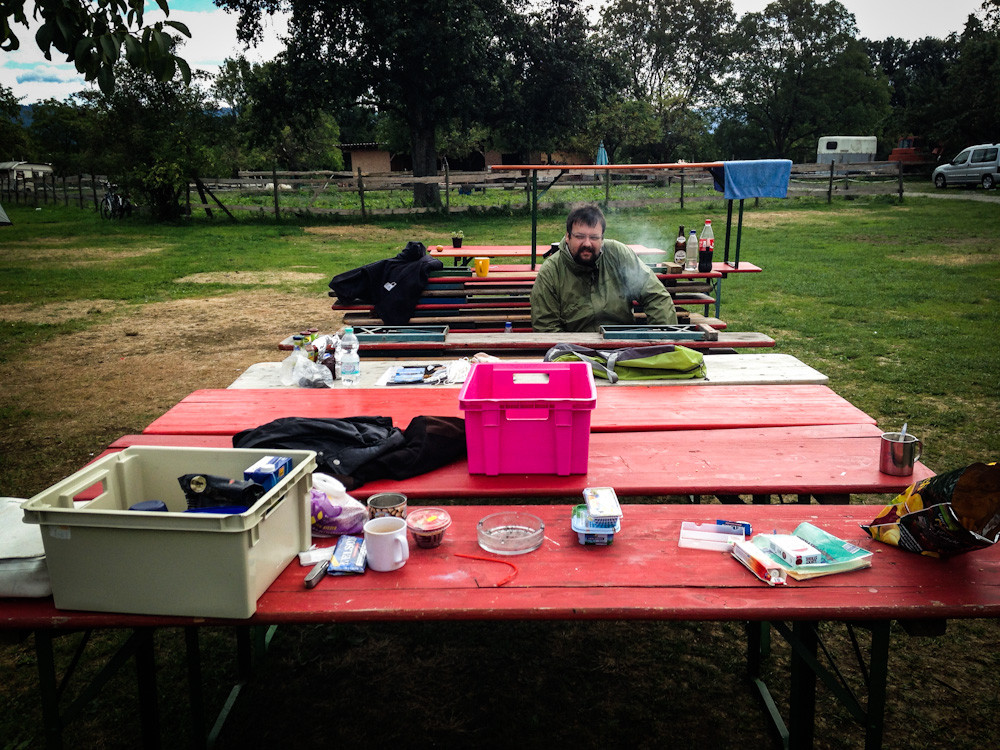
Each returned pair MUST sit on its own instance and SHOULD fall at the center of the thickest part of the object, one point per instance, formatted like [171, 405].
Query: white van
[976, 165]
[845, 149]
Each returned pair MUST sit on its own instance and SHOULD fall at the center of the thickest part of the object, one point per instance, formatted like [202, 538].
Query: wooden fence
[362, 195]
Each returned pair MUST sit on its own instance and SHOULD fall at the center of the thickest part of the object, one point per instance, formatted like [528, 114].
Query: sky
[33, 78]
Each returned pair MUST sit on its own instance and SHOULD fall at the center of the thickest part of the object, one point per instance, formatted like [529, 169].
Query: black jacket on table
[393, 286]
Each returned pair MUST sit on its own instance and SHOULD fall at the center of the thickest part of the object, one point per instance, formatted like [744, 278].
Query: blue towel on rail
[762, 178]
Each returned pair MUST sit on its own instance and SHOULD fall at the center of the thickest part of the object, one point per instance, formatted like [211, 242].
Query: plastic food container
[510, 533]
[104, 557]
[528, 418]
[427, 525]
[590, 532]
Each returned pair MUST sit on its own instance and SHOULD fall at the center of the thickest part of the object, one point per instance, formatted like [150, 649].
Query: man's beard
[590, 262]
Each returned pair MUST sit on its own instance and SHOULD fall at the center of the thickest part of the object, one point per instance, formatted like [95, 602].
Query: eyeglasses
[592, 237]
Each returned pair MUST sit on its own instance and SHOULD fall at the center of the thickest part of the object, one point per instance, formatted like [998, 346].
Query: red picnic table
[646, 440]
[644, 575]
[223, 411]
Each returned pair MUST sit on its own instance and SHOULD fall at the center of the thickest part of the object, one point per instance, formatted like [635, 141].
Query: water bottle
[691, 261]
[680, 249]
[288, 364]
[706, 244]
[350, 362]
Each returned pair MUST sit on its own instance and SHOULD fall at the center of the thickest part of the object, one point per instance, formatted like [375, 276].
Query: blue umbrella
[602, 155]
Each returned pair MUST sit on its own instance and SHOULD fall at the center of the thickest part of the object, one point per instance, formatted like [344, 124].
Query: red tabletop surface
[642, 575]
[821, 460]
[636, 408]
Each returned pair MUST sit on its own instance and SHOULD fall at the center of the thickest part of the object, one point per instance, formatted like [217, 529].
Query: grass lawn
[896, 303]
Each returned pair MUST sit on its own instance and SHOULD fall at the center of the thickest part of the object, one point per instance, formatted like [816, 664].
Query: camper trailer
[846, 149]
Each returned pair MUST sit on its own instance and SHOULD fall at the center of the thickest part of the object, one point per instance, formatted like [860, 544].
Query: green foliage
[13, 139]
[801, 73]
[92, 36]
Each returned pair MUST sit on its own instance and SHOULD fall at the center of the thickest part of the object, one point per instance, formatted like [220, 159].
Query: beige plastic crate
[103, 557]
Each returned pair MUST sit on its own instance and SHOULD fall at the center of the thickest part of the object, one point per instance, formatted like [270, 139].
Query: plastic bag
[298, 370]
[333, 511]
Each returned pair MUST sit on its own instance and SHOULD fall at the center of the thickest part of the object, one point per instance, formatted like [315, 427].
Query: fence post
[93, 189]
[829, 188]
[899, 166]
[274, 186]
[447, 188]
[361, 192]
[682, 189]
[607, 187]
[65, 192]
[79, 189]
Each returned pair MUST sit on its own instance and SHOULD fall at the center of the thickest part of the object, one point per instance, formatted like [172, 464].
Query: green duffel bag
[657, 362]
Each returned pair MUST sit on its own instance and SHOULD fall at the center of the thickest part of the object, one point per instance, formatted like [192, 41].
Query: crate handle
[525, 415]
[72, 486]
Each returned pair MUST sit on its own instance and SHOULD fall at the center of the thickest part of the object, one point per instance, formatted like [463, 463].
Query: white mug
[386, 547]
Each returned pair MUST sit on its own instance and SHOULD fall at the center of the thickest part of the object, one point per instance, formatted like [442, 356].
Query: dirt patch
[253, 277]
[73, 256]
[117, 376]
[57, 312]
[363, 232]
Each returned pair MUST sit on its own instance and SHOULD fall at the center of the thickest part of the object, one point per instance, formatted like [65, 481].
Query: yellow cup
[481, 266]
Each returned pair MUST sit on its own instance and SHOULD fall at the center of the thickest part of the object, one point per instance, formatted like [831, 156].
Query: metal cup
[898, 453]
[387, 504]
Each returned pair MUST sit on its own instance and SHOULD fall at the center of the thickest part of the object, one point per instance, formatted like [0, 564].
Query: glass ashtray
[510, 533]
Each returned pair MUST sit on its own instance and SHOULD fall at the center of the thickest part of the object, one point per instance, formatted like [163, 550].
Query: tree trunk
[425, 194]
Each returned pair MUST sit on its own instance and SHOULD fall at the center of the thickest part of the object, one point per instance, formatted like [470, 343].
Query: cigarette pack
[758, 563]
[268, 471]
[793, 550]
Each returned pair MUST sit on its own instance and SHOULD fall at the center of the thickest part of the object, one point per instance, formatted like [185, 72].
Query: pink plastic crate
[528, 418]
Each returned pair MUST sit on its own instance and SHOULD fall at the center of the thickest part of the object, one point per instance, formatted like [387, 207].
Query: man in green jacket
[592, 281]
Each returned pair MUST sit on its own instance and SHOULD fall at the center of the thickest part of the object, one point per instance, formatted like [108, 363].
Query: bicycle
[114, 205]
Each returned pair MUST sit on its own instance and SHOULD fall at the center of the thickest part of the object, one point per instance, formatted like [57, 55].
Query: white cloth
[22, 555]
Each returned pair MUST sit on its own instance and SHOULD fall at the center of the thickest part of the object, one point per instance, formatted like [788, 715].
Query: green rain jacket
[568, 296]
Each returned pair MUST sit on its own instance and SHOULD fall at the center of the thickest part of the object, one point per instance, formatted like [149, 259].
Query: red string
[508, 579]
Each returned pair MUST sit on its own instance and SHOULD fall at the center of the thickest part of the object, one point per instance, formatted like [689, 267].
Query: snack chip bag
[944, 515]
[333, 511]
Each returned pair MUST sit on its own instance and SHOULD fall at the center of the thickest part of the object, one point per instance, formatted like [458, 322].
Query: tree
[279, 120]
[800, 73]
[157, 135]
[562, 77]
[12, 136]
[675, 51]
[67, 135]
[92, 34]
[420, 61]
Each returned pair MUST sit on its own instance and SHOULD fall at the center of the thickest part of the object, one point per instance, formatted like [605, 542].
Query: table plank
[752, 368]
[224, 411]
[816, 460]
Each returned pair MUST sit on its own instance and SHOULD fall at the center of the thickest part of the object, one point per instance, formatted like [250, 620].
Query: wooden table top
[642, 575]
[225, 411]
